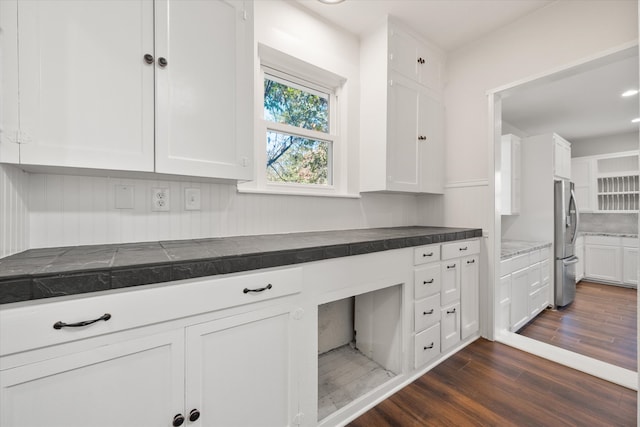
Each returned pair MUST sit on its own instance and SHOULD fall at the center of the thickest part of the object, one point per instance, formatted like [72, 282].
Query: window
[299, 145]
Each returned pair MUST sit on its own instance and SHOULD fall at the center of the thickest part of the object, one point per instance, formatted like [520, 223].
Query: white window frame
[297, 73]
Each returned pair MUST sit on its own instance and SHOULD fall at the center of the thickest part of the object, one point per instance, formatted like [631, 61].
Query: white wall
[604, 144]
[562, 33]
[14, 230]
[70, 210]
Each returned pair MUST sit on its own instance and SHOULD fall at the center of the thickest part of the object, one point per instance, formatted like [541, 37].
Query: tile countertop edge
[39, 285]
[604, 233]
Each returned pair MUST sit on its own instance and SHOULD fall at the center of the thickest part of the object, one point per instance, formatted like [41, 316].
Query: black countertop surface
[53, 272]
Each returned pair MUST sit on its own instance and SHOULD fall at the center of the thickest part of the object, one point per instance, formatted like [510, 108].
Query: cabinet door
[516, 175]
[630, 263]
[505, 302]
[450, 277]
[240, 370]
[403, 54]
[403, 157]
[204, 93]
[469, 296]
[603, 263]
[519, 298]
[431, 144]
[581, 175]
[86, 93]
[450, 326]
[9, 147]
[137, 382]
[580, 264]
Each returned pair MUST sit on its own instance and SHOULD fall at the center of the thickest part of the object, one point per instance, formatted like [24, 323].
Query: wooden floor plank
[490, 384]
[600, 323]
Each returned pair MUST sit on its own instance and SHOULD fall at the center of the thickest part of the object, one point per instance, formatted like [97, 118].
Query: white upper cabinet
[561, 157]
[86, 94]
[204, 119]
[511, 174]
[402, 114]
[136, 85]
[582, 177]
[412, 59]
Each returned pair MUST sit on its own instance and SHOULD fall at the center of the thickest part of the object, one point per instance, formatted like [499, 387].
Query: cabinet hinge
[299, 417]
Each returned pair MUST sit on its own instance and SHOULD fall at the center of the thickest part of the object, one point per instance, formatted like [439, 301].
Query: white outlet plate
[192, 199]
[160, 200]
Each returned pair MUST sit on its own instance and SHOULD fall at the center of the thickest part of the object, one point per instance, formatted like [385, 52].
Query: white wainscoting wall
[14, 224]
[77, 210]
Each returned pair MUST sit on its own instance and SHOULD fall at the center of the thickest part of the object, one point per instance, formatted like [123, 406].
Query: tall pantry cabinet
[153, 86]
[402, 114]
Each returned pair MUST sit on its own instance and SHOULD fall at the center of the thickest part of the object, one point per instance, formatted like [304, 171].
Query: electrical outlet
[160, 201]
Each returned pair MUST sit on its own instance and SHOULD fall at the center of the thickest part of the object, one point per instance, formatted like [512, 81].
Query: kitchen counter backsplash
[53, 272]
[612, 223]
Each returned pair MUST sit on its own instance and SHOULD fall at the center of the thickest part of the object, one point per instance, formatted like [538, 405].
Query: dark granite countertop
[53, 272]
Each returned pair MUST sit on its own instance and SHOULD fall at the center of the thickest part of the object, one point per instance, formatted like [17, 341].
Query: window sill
[296, 192]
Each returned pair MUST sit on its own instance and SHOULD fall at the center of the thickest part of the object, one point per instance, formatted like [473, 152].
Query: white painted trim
[588, 365]
[290, 191]
[469, 183]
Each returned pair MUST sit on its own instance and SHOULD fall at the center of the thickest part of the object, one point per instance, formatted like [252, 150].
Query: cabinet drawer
[545, 253]
[427, 312]
[426, 281]
[31, 326]
[534, 256]
[427, 345]
[629, 242]
[602, 240]
[425, 254]
[519, 262]
[460, 249]
[505, 267]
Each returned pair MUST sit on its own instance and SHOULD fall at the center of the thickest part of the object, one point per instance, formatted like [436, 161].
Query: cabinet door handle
[424, 313]
[429, 254]
[60, 325]
[422, 138]
[178, 419]
[247, 290]
[471, 262]
[464, 249]
[428, 347]
[194, 415]
[162, 62]
[451, 311]
[421, 61]
[148, 58]
[427, 282]
[451, 266]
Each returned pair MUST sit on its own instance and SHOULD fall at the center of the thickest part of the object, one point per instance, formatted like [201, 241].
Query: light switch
[124, 196]
[192, 199]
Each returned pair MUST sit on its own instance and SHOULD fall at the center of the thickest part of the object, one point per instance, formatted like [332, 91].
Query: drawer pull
[247, 290]
[429, 254]
[451, 311]
[424, 313]
[471, 262]
[60, 325]
[428, 347]
[464, 249]
[427, 282]
[178, 420]
[451, 266]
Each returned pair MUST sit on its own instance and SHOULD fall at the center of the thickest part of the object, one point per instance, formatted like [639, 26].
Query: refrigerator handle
[575, 206]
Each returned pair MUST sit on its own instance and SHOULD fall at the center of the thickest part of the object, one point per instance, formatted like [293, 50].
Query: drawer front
[545, 253]
[629, 242]
[426, 281]
[519, 262]
[427, 345]
[425, 254]
[505, 267]
[534, 256]
[427, 312]
[32, 326]
[602, 240]
[460, 249]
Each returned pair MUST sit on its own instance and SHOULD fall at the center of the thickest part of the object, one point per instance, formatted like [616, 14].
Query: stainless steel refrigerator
[566, 221]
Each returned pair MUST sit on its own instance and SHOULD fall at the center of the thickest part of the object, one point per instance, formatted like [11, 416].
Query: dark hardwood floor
[491, 384]
[600, 323]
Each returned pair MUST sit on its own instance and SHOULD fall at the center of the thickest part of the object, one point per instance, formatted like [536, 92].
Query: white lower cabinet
[630, 262]
[205, 374]
[611, 259]
[450, 326]
[519, 298]
[136, 382]
[469, 297]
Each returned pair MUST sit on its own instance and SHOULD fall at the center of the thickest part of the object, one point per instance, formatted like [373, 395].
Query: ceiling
[447, 23]
[584, 105]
